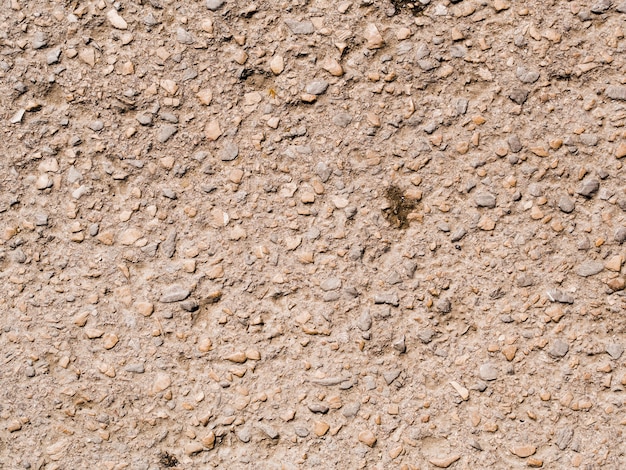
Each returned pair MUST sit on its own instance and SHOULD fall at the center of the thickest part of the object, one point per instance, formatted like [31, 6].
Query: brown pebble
[14, 426]
[238, 357]
[445, 462]
[523, 451]
[110, 340]
[320, 428]
[368, 438]
[509, 352]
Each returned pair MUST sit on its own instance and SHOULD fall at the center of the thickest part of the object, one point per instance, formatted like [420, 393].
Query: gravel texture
[311, 234]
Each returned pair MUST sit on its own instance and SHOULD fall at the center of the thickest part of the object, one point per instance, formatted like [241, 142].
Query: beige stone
[523, 451]
[367, 437]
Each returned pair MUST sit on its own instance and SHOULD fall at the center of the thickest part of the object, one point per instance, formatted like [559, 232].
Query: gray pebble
[461, 106]
[564, 437]
[268, 430]
[30, 371]
[135, 368]
[174, 293]
[214, 4]
[323, 171]
[301, 431]
[620, 235]
[566, 204]
[230, 151]
[331, 284]
[369, 382]
[364, 323]
[168, 247]
[166, 132]
[621, 8]
[458, 234]
[96, 126]
[94, 229]
[588, 187]
[400, 345]
[144, 119]
[485, 200]
[526, 76]
[514, 144]
[615, 350]
[518, 95]
[444, 306]
[169, 193]
[41, 220]
[388, 298]
[53, 56]
[184, 37]
[318, 87]
[559, 348]
[318, 408]
[300, 27]
[426, 335]
[616, 92]
[350, 410]
[391, 375]
[342, 119]
[40, 40]
[190, 305]
[601, 6]
[488, 372]
[244, 435]
[589, 268]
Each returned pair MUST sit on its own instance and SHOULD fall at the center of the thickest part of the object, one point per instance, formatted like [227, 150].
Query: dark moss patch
[167, 460]
[414, 6]
[399, 207]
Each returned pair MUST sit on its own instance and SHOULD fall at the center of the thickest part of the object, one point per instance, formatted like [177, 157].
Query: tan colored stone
[253, 355]
[169, 86]
[110, 340]
[208, 441]
[14, 425]
[212, 130]
[116, 20]
[462, 391]
[94, 333]
[373, 38]
[205, 344]
[162, 382]
[367, 437]
[277, 64]
[88, 56]
[509, 352]
[144, 308]
[620, 151]
[523, 451]
[614, 263]
[320, 428]
[444, 462]
[617, 284]
[238, 357]
[486, 223]
[333, 67]
[236, 175]
[129, 236]
[215, 272]
[205, 96]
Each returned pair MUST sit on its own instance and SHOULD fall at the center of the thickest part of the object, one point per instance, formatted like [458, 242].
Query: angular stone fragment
[162, 381]
[174, 293]
[129, 236]
[212, 130]
[300, 27]
[518, 95]
[588, 187]
[485, 200]
[558, 349]
[616, 92]
[620, 235]
[230, 151]
[462, 391]
[116, 20]
[589, 268]
[367, 437]
[214, 4]
[526, 76]
[488, 372]
[615, 350]
[318, 87]
[523, 451]
[373, 38]
[444, 462]
[557, 295]
[166, 132]
[566, 204]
